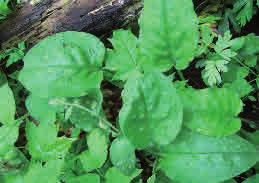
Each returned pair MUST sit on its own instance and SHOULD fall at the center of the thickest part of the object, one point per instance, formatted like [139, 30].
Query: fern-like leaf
[244, 10]
[213, 69]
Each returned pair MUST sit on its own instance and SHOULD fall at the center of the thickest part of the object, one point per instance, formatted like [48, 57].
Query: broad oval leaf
[212, 111]
[46, 147]
[63, 65]
[168, 34]
[151, 112]
[7, 102]
[96, 154]
[213, 159]
[122, 155]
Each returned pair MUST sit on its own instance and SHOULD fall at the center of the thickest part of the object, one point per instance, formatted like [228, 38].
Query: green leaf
[217, 62]
[159, 177]
[223, 45]
[252, 179]
[113, 175]
[212, 111]
[146, 117]
[46, 147]
[244, 11]
[83, 119]
[96, 154]
[228, 17]
[237, 43]
[87, 178]
[151, 179]
[213, 159]
[41, 174]
[40, 109]
[240, 86]
[250, 47]
[14, 54]
[70, 67]
[14, 57]
[252, 98]
[208, 19]
[165, 36]
[251, 137]
[12, 178]
[4, 9]
[213, 68]
[7, 102]
[122, 155]
[223, 42]
[8, 136]
[251, 60]
[234, 72]
[230, 181]
[11, 159]
[234, 80]
[122, 60]
[207, 39]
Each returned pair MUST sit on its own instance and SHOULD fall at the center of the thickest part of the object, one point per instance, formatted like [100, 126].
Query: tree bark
[31, 23]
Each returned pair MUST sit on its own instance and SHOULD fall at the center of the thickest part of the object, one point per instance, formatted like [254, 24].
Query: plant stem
[115, 130]
[245, 66]
[247, 120]
[180, 75]
[23, 117]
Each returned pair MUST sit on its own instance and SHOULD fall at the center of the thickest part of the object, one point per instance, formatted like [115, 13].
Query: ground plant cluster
[169, 103]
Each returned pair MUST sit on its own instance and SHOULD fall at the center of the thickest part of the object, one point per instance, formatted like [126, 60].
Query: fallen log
[33, 22]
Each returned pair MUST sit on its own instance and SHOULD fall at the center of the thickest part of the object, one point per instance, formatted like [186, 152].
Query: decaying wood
[32, 23]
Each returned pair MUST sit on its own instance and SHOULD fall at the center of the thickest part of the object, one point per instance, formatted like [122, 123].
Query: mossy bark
[32, 23]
